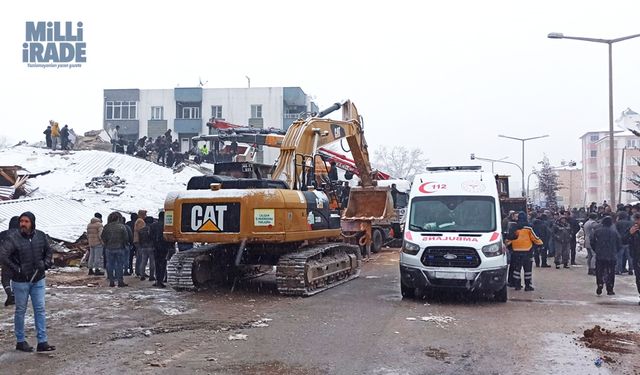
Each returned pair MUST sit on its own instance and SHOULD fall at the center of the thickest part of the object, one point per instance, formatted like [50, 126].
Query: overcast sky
[445, 76]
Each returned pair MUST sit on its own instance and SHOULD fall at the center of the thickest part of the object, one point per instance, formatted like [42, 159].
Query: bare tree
[399, 161]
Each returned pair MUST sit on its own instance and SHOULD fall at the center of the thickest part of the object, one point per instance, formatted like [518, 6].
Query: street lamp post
[523, 140]
[612, 172]
[474, 157]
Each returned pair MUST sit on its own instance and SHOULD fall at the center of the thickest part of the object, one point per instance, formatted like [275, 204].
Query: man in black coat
[47, 135]
[632, 238]
[14, 223]
[161, 248]
[540, 252]
[27, 253]
[605, 243]
[64, 137]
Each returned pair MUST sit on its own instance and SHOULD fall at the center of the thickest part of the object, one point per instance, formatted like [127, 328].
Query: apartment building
[186, 110]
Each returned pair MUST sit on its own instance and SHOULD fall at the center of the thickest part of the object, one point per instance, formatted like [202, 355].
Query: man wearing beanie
[27, 253]
[6, 271]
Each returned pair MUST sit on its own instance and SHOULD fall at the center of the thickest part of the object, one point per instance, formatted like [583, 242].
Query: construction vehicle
[291, 222]
[508, 203]
[233, 151]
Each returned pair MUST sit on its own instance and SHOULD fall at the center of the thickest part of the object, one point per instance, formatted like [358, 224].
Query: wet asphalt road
[362, 327]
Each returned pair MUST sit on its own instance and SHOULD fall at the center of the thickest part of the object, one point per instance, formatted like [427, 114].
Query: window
[191, 112]
[216, 111]
[453, 214]
[593, 153]
[631, 143]
[122, 110]
[594, 138]
[256, 111]
[157, 113]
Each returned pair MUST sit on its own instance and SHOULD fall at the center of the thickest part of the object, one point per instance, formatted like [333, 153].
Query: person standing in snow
[114, 237]
[132, 248]
[94, 231]
[47, 136]
[26, 251]
[14, 224]
[139, 223]
[589, 227]
[605, 243]
[146, 250]
[632, 238]
[162, 249]
[55, 134]
[115, 135]
[522, 238]
[64, 137]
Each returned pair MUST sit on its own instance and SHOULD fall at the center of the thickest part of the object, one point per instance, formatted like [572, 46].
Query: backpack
[144, 236]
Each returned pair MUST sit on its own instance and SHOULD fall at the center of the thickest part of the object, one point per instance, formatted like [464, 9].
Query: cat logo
[208, 218]
[338, 131]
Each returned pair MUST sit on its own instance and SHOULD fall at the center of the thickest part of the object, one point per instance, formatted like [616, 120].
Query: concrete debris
[149, 352]
[238, 336]
[147, 333]
[440, 321]
[411, 319]
[93, 140]
[108, 181]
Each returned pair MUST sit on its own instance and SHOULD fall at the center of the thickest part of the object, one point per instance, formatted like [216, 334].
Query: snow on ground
[147, 184]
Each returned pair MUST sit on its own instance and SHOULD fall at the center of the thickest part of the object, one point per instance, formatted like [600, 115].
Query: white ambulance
[452, 236]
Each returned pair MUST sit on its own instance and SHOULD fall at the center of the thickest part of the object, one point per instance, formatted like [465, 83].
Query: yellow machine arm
[305, 136]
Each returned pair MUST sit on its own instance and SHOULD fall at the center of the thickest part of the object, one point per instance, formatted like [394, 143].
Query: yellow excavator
[290, 221]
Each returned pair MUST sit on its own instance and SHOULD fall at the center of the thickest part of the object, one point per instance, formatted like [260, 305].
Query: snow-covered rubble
[146, 187]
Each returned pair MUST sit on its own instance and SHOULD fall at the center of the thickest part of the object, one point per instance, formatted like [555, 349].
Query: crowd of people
[114, 246]
[611, 240]
[55, 135]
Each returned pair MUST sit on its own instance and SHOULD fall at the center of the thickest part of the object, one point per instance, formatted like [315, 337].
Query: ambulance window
[453, 214]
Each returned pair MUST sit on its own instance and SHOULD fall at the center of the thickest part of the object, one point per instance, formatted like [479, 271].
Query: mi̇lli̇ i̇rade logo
[54, 45]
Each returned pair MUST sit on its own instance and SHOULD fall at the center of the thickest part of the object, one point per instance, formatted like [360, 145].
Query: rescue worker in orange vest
[521, 237]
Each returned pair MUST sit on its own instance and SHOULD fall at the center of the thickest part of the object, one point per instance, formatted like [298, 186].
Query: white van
[452, 234]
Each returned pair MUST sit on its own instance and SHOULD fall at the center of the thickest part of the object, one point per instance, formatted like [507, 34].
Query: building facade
[595, 166]
[571, 192]
[186, 110]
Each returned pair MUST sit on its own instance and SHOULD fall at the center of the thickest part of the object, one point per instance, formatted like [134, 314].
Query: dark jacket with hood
[27, 255]
[606, 241]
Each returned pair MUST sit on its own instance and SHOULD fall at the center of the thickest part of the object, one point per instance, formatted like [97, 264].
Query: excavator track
[317, 268]
[180, 268]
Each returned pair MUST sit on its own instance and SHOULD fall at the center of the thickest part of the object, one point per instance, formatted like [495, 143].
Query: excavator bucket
[369, 203]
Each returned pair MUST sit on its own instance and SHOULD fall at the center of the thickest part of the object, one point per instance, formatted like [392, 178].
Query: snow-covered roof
[146, 186]
[60, 218]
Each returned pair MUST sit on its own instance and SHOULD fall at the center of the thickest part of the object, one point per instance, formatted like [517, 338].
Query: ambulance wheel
[501, 295]
[407, 292]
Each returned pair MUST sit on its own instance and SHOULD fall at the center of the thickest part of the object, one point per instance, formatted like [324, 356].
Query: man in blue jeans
[27, 253]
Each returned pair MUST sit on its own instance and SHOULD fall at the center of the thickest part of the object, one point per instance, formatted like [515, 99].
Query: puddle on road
[559, 354]
[615, 301]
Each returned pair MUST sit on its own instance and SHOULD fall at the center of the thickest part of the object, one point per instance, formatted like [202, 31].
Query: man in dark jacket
[632, 238]
[162, 248]
[622, 226]
[132, 247]
[540, 251]
[562, 242]
[605, 244]
[47, 136]
[64, 137]
[575, 227]
[27, 253]
[115, 238]
[14, 223]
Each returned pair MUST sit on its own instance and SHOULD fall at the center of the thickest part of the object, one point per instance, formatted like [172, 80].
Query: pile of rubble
[93, 140]
[108, 183]
[13, 182]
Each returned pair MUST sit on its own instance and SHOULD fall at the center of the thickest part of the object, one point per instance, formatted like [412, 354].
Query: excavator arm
[306, 136]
